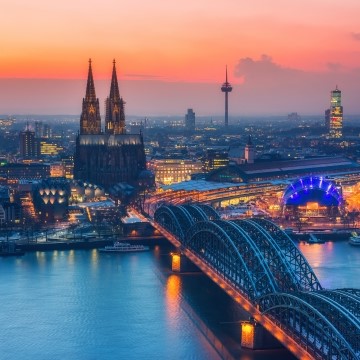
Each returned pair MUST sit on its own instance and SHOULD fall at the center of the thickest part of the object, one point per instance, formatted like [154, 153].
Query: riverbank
[322, 235]
[80, 244]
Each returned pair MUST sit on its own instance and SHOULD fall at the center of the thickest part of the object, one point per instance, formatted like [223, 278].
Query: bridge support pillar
[254, 336]
[180, 263]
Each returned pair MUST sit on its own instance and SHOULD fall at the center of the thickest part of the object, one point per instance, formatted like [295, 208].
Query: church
[110, 156]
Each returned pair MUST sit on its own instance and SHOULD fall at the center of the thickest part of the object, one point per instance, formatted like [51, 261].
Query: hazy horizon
[160, 98]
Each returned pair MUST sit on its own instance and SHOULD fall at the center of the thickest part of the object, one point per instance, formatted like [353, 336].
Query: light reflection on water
[172, 294]
[336, 264]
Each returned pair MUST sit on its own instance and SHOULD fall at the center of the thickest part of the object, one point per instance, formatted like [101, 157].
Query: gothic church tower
[90, 121]
[115, 112]
[112, 156]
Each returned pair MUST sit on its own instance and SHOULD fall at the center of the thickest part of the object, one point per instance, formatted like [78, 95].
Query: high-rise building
[29, 146]
[190, 121]
[106, 158]
[334, 115]
[216, 158]
[42, 130]
[38, 129]
[226, 88]
[294, 116]
[68, 165]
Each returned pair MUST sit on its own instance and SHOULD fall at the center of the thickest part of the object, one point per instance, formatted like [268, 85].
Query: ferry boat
[8, 248]
[315, 240]
[124, 247]
[354, 239]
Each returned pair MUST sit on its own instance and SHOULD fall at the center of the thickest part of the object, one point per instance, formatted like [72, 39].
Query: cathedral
[110, 156]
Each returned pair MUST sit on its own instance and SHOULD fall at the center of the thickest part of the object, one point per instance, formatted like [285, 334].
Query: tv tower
[226, 88]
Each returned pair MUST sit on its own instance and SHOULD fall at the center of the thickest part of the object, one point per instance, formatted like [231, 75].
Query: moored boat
[8, 248]
[315, 240]
[354, 239]
[124, 247]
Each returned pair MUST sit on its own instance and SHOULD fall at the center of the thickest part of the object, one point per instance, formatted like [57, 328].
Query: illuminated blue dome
[312, 189]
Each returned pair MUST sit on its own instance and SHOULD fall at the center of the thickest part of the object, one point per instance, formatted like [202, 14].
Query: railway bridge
[261, 268]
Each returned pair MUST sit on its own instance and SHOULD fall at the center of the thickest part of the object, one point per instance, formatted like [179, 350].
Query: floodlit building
[170, 171]
[109, 157]
[57, 169]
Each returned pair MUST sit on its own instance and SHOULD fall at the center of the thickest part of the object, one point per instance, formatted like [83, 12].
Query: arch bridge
[261, 268]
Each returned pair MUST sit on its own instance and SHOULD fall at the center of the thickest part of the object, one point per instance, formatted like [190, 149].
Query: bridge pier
[181, 264]
[254, 336]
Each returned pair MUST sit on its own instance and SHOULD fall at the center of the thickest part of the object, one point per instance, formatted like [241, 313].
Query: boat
[354, 239]
[8, 248]
[119, 246]
[314, 240]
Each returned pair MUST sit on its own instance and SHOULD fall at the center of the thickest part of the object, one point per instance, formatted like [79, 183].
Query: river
[86, 305]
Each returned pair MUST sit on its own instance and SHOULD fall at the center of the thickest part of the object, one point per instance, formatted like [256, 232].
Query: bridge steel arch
[210, 212]
[346, 299]
[338, 315]
[255, 260]
[167, 216]
[178, 219]
[354, 292]
[295, 258]
[311, 324]
[197, 213]
[272, 255]
[222, 247]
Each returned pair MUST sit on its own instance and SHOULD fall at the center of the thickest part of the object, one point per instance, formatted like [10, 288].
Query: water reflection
[172, 293]
[334, 263]
[71, 257]
[94, 259]
[316, 254]
[55, 255]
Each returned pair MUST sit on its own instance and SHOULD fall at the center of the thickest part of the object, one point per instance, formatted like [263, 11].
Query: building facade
[106, 158]
[171, 171]
[215, 159]
[14, 173]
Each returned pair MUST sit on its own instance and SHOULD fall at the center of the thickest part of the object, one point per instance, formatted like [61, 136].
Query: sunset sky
[282, 55]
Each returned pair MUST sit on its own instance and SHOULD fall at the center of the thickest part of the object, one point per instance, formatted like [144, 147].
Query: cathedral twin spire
[90, 121]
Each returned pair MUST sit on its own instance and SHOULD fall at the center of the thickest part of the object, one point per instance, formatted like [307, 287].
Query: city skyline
[172, 56]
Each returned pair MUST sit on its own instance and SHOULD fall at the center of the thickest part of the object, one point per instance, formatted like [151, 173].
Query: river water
[86, 305]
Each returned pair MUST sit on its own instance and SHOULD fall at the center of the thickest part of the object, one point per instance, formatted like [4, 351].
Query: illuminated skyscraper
[226, 88]
[334, 116]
